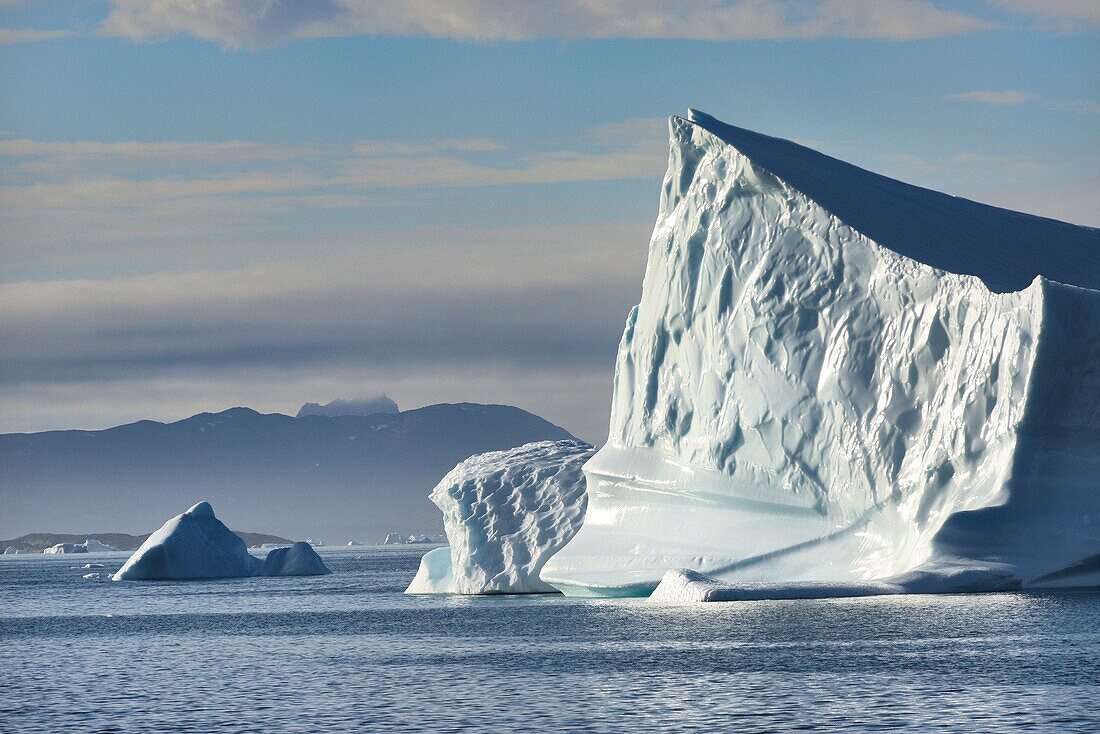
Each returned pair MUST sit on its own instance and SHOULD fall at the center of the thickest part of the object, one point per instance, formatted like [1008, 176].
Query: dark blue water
[350, 652]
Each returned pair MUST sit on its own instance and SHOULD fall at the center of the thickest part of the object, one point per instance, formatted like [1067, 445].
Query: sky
[213, 203]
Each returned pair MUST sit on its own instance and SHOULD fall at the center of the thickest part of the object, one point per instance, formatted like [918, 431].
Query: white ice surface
[193, 545]
[434, 575]
[65, 548]
[506, 513]
[296, 560]
[795, 402]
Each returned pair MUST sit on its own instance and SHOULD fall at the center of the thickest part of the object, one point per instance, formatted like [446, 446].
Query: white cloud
[1005, 97]
[88, 193]
[1056, 15]
[254, 23]
[27, 35]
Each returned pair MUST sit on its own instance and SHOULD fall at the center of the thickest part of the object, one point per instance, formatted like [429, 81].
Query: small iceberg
[194, 545]
[297, 560]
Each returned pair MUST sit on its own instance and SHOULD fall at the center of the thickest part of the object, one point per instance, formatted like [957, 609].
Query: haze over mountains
[337, 477]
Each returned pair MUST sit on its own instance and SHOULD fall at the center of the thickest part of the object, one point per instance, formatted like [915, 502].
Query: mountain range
[337, 477]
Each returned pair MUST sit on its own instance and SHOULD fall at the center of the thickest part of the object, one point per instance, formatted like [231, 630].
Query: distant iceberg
[193, 545]
[297, 560]
[61, 548]
[505, 513]
[834, 378]
[90, 545]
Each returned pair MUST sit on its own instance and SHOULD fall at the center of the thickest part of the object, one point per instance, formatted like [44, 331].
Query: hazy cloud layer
[255, 23]
[521, 305]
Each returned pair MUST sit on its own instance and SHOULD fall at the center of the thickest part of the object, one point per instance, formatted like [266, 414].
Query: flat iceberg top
[1006, 249]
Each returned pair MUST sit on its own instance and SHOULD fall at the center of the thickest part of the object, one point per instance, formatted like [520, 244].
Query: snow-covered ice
[506, 513]
[434, 575]
[834, 378]
[65, 548]
[193, 545]
[297, 560]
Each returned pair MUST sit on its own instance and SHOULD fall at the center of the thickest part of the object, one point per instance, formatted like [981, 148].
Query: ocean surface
[350, 652]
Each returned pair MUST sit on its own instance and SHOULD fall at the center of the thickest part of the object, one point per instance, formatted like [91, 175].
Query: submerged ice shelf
[801, 396]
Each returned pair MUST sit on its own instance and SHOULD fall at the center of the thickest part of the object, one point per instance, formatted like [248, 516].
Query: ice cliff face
[506, 513]
[796, 402]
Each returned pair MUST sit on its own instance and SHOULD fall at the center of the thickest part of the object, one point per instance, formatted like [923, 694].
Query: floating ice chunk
[506, 513]
[434, 575]
[91, 545]
[297, 560]
[193, 545]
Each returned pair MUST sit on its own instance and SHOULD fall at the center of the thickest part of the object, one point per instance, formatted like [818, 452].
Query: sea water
[350, 652]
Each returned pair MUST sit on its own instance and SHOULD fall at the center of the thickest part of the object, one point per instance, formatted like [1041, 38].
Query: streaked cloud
[1004, 97]
[85, 194]
[252, 23]
[29, 35]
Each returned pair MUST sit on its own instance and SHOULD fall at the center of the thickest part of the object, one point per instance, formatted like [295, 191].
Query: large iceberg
[835, 378]
[193, 545]
[506, 513]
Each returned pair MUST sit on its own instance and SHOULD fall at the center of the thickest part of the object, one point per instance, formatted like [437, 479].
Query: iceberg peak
[202, 509]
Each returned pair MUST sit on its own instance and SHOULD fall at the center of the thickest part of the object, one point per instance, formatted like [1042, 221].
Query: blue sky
[264, 202]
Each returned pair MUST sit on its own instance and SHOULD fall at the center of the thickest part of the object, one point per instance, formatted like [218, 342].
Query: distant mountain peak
[380, 404]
